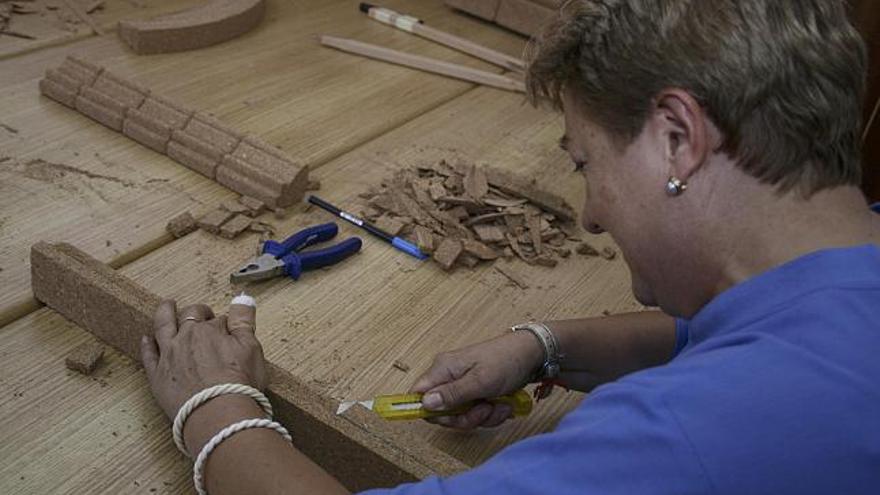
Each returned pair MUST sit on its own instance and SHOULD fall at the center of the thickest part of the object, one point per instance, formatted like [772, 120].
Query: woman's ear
[685, 131]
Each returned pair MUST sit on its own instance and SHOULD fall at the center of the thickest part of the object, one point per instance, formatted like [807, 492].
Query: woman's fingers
[165, 322]
[242, 320]
[149, 356]
[193, 314]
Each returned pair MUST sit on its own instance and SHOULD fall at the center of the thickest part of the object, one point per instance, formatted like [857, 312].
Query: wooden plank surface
[64, 177]
[341, 328]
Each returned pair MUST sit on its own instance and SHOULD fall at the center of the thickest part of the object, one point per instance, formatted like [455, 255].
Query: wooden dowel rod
[423, 63]
[412, 25]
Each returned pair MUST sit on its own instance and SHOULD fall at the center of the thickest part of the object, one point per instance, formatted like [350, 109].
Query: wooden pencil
[413, 25]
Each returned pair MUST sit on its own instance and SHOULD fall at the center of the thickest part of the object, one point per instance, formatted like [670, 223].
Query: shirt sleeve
[621, 440]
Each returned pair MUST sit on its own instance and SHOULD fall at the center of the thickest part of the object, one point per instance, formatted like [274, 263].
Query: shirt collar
[772, 290]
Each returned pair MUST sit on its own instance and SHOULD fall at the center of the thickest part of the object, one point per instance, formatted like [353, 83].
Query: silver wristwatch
[552, 355]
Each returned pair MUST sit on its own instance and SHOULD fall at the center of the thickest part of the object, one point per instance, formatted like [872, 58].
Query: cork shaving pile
[463, 214]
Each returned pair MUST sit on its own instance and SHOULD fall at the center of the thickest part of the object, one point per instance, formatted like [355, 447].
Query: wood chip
[254, 206]
[475, 183]
[437, 191]
[608, 253]
[586, 249]
[512, 275]
[235, 226]
[489, 233]
[424, 239]
[468, 260]
[546, 260]
[85, 358]
[447, 252]
[390, 224]
[504, 203]
[478, 249]
[534, 223]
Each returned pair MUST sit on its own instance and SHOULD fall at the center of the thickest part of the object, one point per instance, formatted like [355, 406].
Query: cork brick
[237, 225]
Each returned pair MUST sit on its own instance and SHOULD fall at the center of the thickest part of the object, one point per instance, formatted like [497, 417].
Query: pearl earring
[674, 187]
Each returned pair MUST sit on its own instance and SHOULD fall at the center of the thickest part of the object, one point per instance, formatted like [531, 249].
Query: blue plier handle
[295, 262]
[284, 258]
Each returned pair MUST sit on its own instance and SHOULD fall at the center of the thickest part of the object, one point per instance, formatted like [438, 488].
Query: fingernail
[244, 300]
[433, 401]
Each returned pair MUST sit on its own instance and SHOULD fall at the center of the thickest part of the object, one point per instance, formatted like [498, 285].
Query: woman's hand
[483, 371]
[192, 350]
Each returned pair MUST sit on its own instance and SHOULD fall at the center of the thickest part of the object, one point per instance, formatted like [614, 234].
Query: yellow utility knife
[409, 406]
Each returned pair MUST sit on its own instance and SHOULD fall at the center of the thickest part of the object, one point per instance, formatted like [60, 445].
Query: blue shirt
[776, 391]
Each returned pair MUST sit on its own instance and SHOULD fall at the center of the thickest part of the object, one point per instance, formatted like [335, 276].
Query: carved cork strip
[199, 141]
[204, 25]
[261, 171]
[153, 122]
[358, 448]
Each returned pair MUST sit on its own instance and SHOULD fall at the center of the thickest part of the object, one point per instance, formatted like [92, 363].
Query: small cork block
[205, 164]
[85, 358]
[159, 116]
[147, 137]
[447, 252]
[101, 109]
[213, 220]
[181, 225]
[58, 92]
[237, 225]
[121, 91]
[84, 72]
[213, 133]
[254, 205]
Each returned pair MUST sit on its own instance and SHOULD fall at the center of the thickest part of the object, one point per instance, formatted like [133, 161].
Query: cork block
[159, 116]
[93, 295]
[194, 153]
[181, 225]
[59, 92]
[358, 448]
[197, 140]
[80, 70]
[261, 171]
[144, 135]
[102, 108]
[237, 225]
[85, 358]
[205, 25]
[213, 132]
[124, 92]
[213, 220]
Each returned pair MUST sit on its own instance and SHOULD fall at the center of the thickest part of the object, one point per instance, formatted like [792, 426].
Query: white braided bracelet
[198, 478]
[204, 396]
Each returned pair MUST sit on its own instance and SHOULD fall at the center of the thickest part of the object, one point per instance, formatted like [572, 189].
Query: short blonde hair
[784, 80]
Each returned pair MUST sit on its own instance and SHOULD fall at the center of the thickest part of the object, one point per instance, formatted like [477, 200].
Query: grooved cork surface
[205, 25]
[199, 141]
[358, 448]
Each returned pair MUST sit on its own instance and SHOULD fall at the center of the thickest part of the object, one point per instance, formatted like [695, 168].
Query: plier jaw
[284, 258]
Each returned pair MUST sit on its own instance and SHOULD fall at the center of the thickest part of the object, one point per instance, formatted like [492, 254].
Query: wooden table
[354, 122]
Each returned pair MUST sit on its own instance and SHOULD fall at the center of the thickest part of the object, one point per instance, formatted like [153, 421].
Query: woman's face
[624, 194]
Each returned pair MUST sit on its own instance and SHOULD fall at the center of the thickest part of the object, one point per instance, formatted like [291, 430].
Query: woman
[720, 146]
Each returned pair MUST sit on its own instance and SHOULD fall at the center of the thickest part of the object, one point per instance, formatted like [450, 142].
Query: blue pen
[401, 244]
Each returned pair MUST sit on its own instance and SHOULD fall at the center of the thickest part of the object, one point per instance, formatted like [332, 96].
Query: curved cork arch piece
[205, 25]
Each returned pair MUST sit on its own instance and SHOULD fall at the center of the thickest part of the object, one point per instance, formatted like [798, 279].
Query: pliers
[284, 258]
